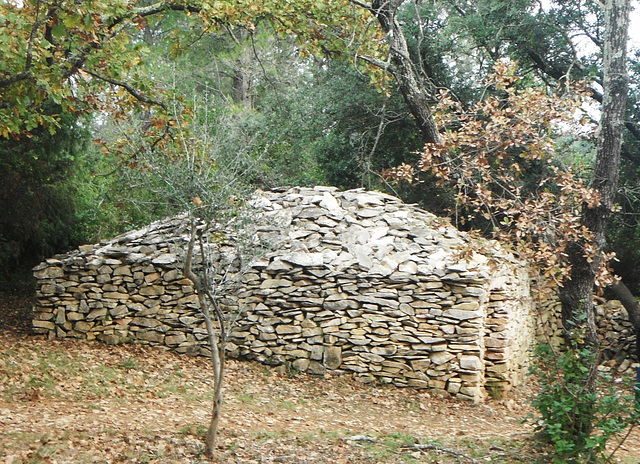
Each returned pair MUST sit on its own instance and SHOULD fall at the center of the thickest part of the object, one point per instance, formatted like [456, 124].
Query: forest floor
[66, 401]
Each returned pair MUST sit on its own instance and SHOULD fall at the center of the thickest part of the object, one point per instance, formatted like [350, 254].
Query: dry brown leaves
[77, 402]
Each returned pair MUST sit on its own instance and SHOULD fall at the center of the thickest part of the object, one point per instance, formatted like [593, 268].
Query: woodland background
[106, 127]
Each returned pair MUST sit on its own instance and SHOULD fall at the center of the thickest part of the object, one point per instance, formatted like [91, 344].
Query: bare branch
[134, 92]
[362, 5]
[7, 81]
[385, 65]
[442, 449]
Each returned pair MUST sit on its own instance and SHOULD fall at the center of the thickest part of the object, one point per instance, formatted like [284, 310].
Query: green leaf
[58, 30]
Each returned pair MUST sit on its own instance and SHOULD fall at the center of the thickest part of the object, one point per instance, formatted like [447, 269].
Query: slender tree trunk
[410, 84]
[242, 84]
[242, 70]
[577, 293]
[217, 359]
[217, 349]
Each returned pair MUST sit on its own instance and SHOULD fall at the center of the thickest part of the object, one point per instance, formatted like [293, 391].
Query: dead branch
[441, 449]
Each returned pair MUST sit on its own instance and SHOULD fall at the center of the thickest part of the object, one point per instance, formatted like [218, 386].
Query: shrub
[578, 419]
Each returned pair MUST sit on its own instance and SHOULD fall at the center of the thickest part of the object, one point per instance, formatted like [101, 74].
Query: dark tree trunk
[243, 65]
[410, 84]
[577, 293]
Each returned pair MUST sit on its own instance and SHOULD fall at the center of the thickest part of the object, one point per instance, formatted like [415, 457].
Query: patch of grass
[46, 383]
[21, 372]
[494, 450]
[129, 364]
[379, 450]
[60, 361]
[331, 434]
[270, 435]
[291, 370]
[307, 437]
[41, 454]
[287, 405]
[245, 398]
[177, 389]
[40, 445]
[197, 430]
[397, 439]
[99, 382]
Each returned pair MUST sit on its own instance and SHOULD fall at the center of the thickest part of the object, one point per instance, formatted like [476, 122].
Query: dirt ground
[76, 402]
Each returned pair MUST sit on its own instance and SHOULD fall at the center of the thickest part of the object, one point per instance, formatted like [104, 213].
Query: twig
[441, 449]
[365, 438]
[362, 5]
[379, 63]
[623, 440]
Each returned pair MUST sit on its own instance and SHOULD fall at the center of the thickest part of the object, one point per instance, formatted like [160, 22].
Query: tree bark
[410, 84]
[242, 85]
[577, 294]
[217, 349]
[242, 70]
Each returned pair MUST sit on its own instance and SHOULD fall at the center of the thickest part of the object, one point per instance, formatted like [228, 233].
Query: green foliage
[76, 54]
[578, 420]
[38, 186]
[348, 114]
[436, 41]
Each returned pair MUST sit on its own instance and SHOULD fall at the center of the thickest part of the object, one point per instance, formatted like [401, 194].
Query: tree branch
[135, 93]
[27, 74]
[379, 63]
[622, 293]
[7, 81]
[362, 5]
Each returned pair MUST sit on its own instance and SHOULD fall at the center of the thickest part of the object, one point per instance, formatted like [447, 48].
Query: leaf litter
[68, 401]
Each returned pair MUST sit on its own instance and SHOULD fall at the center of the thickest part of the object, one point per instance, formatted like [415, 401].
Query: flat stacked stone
[357, 282]
[617, 336]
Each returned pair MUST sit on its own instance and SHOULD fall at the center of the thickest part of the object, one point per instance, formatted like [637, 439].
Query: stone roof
[368, 232]
[372, 233]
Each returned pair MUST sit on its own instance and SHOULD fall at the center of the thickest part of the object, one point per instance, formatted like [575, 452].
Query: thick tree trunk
[577, 293]
[413, 91]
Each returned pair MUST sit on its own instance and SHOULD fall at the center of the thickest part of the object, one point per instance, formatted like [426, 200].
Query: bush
[581, 412]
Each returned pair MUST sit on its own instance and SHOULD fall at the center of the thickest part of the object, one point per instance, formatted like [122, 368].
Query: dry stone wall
[357, 282]
[615, 330]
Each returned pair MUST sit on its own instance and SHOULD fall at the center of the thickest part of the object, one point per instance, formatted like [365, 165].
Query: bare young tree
[212, 313]
[219, 253]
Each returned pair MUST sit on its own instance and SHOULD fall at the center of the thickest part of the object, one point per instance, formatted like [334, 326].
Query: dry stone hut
[358, 283]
